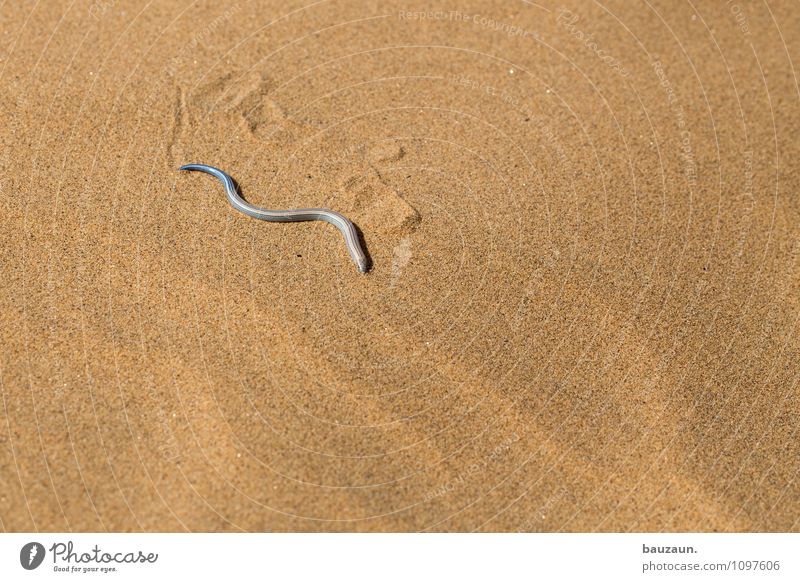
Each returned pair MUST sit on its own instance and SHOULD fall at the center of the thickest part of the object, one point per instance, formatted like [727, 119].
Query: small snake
[347, 228]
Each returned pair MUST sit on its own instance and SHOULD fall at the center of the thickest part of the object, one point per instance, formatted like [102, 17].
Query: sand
[583, 311]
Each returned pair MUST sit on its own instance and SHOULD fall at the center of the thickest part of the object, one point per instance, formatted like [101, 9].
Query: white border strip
[379, 557]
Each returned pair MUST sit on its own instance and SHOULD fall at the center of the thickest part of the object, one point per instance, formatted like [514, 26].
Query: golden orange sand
[583, 311]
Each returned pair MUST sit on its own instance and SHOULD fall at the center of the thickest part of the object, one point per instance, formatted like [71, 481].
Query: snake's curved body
[346, 227]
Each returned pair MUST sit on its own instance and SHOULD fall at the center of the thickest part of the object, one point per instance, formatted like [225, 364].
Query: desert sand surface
[583, 308]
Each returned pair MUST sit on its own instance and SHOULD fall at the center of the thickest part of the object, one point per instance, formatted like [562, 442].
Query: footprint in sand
[243, 96]
[388, 151]
[376, 205]
[268, 122]
[234, 91]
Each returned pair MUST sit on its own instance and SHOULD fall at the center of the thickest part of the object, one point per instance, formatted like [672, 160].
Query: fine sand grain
[583, 311]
